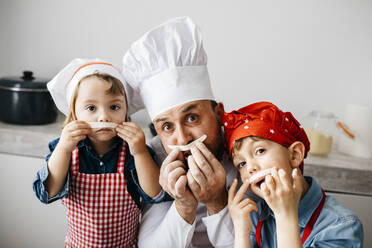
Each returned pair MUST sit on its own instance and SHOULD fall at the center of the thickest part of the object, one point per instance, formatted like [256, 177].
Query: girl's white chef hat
[63, 85]
[168, 66]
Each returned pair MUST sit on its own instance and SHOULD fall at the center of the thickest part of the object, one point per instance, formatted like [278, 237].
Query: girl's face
[256, 154]
[94, 104]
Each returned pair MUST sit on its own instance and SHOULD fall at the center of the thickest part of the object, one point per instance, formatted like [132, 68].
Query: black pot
[26, 100]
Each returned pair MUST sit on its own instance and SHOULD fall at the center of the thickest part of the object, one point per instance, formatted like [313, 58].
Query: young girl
[93, 166]
[268, 147]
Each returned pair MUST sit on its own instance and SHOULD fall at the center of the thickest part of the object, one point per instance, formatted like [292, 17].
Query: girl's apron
[308, 228]
[100, 211]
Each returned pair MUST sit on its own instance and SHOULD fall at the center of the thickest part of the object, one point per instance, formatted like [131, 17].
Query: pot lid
[27, 81]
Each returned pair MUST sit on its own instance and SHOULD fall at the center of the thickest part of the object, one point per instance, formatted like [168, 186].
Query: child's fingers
[285, 179]
[78, 125]
[296, 175]
[275, 175]
[232, 189]
[246, 202]
[265, 190]
[125, 130]
[269, 181]
[249, 207]
[79, 132]
[240, 194]
[127, 135]
[130, 126]
[80, 137]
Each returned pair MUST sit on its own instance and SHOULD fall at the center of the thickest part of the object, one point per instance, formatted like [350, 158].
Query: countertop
[336, 172]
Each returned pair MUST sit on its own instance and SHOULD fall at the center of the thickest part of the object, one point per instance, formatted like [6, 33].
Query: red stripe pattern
[100, 211]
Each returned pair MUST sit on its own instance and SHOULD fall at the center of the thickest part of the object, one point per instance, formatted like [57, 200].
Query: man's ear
[296, 153]
[219, 110]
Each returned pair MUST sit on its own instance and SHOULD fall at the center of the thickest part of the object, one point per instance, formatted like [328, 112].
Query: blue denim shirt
[336, 226]
[91, 163]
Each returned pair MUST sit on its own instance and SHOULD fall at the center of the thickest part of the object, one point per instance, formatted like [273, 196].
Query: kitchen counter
[341, 173]
[336, 172]
[33, 140]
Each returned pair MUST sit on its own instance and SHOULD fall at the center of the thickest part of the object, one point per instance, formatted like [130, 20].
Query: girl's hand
[72, 133]
[282, 192]
[240, 209]
[133, 134]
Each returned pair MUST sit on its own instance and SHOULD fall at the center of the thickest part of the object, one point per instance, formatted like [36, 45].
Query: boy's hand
[240, 209]
[133, 134]
[72, 133]
[282, 192]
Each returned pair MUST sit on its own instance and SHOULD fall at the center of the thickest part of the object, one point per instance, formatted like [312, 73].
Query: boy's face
[94, 104]
[257, 154]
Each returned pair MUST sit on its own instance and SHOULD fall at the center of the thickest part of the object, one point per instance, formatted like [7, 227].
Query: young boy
[268, 147]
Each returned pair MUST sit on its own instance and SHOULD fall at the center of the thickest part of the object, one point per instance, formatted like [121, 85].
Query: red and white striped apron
[100, 210]
[308, 228]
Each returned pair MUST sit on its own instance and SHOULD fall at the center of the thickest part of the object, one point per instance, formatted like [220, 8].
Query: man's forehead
[174, 112]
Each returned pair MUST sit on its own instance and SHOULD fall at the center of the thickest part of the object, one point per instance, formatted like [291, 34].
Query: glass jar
[320, 127]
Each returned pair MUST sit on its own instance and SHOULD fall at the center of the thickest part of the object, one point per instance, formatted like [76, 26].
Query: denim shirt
[91, 163]
[336, 225]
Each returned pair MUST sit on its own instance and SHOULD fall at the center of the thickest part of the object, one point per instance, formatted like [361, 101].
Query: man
[167, 67]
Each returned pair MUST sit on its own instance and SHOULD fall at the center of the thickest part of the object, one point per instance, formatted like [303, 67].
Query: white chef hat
[63, 85]
[168, 66]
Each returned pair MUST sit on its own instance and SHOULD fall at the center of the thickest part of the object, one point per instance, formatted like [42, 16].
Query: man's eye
[91, 108]
[192, 118]
[241, 165]
[167, 127]
[114, 107]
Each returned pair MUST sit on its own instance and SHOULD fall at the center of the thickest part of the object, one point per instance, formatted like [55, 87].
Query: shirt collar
[88, 144]
[265, 210]
[310, 202]
[306, 208]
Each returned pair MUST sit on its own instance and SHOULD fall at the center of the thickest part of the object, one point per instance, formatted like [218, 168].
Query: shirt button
[101, 163]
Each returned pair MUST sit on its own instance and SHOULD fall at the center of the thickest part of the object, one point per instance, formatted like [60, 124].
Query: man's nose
[183, 136]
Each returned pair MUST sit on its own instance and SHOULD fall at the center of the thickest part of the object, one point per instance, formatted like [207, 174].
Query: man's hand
[207, 178]
[174, 181]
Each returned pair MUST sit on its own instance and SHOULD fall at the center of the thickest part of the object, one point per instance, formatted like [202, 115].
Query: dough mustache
[190, 145]
[101, 125]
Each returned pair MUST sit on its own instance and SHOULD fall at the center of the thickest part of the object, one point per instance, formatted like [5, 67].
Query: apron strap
[121, 159]
[308, 228]
[75, 160]
[314, 217]
[258, 233]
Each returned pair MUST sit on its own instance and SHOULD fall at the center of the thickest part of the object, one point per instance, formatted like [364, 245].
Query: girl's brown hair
[115, 89]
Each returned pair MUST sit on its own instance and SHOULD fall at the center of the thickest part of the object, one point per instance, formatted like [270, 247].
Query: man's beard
[219, 149]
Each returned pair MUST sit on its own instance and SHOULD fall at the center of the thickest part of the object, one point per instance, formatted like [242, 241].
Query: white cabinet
[361, 206]
[24, 220]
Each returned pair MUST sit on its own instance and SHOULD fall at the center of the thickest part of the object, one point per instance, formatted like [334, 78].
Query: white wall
[302, 55]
